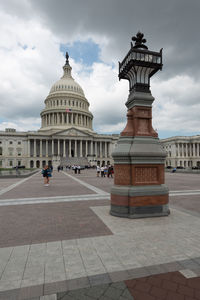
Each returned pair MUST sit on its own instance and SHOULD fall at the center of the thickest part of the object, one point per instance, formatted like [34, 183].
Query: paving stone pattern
[75, 248]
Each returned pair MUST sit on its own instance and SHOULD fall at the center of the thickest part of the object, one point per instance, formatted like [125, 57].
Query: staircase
[70, 161]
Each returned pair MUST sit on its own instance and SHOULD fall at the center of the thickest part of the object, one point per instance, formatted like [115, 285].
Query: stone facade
[65, 135]
[182, 151]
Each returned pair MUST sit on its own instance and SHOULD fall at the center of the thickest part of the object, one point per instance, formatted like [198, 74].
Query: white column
[100, 149]
[197, 149]
[47, 148]
[86, 148]
[106, 150]
[67, 118]
[95, 150]
[29, 148]
[52, 147]
[76, 119]
[40, 148]
[70, 148]
[72, 118]
[81, 148]
[187, 149]
[75, 148]
[34, 147]
[91, 148]
[59, 147]
[64, 148]
[193, 149]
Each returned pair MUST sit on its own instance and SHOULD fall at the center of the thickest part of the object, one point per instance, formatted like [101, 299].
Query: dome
[66, 83]
[66, 105]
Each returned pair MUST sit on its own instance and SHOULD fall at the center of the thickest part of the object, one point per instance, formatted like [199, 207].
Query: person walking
[102, 171]
[46, 173]
[79, 169]
[98, 170]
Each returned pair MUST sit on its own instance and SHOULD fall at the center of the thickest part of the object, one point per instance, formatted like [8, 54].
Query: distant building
[66, 135]
[182, 151]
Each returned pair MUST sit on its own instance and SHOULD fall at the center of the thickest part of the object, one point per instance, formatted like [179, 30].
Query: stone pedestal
[139, 183]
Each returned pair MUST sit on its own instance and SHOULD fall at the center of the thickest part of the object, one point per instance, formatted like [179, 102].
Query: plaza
[60, 241]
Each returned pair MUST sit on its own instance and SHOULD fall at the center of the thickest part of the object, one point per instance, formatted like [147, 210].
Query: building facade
[182, 151]
[66, 135]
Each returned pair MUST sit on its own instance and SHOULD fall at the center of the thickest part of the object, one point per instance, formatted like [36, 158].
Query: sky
[35, 34]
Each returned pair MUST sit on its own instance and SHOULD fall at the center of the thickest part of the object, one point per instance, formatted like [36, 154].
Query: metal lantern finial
[139, 41]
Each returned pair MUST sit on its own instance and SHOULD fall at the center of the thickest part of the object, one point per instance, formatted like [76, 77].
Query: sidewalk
[67, 245]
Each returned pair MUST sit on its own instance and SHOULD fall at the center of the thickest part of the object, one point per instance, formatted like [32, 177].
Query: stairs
[69, 161]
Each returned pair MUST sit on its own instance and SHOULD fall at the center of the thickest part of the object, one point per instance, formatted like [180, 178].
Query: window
[19, 163]
[19, 143]
[1, 151]
[10, 163]
[10, 142]
[0, 163]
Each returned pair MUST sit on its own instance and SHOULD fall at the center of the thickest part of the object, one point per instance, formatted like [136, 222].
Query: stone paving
[60, 242]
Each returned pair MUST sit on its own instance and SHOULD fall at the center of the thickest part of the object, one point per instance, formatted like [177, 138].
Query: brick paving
[59, 186]
[168, 286]
[40, 223]
[73, 249]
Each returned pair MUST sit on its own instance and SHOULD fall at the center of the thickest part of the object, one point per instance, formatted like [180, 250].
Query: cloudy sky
[36, 33]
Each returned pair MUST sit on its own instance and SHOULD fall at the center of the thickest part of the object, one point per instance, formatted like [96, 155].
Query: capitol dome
[67, 83]
[66, 105]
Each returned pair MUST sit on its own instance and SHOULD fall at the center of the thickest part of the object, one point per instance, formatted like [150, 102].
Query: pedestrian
[46, 173]
[102, 171]
[98, 170]
[109, 171]
[79, 169]
[105, 171]
[75, 169]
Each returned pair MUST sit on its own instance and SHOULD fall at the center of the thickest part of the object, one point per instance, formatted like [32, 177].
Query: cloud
[176, 105]
[32, 33]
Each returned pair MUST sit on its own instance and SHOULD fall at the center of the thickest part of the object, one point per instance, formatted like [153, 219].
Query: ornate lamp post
[139, 186]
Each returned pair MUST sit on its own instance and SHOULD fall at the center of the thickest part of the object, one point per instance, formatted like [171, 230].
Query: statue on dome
[67, 58]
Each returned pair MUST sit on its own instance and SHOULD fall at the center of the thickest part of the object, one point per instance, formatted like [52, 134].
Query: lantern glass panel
[142, 56]
[150, 58]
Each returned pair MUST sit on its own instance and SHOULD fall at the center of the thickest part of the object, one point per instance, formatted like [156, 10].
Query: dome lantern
[67, 68]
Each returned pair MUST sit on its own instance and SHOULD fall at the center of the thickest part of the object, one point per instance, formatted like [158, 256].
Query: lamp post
[139, 185]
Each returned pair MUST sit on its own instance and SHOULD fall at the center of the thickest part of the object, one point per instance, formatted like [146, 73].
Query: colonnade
[68, 148]
[63, 118]
[187, 150]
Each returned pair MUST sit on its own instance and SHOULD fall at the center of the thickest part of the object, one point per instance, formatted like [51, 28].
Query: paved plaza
[60, 242]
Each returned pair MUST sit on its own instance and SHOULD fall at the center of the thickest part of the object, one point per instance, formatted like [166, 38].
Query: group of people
[105, 171]
[77, 169]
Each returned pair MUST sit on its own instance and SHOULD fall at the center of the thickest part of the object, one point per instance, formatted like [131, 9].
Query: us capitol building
[66, 135]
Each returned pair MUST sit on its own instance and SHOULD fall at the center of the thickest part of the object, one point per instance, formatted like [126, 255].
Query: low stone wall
[18, 174]
[183, 171]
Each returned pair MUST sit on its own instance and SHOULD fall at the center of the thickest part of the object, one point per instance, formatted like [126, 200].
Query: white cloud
[176, 106]
[31, 62]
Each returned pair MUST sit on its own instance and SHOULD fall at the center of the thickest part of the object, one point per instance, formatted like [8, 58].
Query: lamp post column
[139, 159]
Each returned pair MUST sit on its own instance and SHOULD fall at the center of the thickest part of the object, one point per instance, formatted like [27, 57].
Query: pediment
[71, 132]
